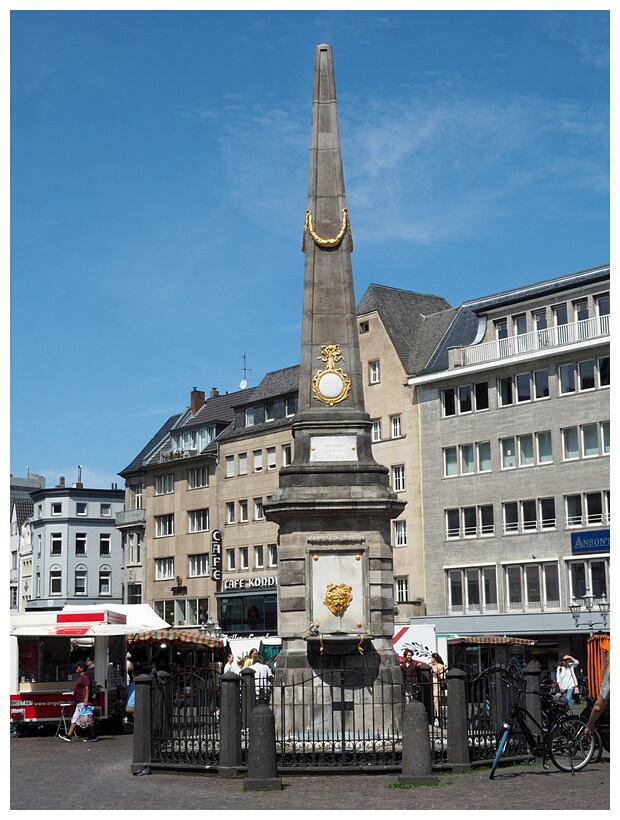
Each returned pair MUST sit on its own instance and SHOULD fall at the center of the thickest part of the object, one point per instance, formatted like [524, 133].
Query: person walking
[83, 712]
[567, 679]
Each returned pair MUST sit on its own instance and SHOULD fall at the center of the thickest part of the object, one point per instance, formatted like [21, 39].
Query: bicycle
[562, 738]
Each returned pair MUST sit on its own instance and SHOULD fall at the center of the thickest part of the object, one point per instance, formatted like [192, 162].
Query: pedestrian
[262, 677]
[83, 712]
[249, 659]
[567, 679]
[439, 669]
[231, 665]
[410, 675]
[600, 704]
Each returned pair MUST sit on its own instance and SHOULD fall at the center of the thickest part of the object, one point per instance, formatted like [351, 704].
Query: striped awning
[478, 640]
[196, 637]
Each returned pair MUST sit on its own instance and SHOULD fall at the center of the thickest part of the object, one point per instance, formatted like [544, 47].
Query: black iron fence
[335, 719]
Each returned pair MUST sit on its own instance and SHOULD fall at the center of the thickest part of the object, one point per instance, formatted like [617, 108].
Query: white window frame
[243, 463]
[164, 525]
[401, 589]
[376, 430]
[164, 484]
[374, 372]
[197, 478]
[105, 538]
[395, 426]
[398, 478]
[164, 569]
[272, 555]
[198, 520]
[400, 533]
[257, 455]
[198, 565]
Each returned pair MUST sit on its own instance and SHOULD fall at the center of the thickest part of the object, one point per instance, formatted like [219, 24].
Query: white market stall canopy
[76, 621]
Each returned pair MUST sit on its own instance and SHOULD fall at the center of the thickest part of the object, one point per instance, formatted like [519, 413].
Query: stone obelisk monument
[334, 504]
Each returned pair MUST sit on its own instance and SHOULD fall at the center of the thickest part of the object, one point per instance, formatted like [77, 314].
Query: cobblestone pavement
[49, 774]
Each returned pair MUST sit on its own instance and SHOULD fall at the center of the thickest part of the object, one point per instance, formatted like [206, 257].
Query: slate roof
[275, 384]
[24, 508]
[278, 383]
[405, 315]
[158, 439]
[463, 327]
[218, 409]
[423, 328]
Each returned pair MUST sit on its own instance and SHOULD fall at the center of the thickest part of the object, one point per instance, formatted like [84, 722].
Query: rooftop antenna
[244, 382]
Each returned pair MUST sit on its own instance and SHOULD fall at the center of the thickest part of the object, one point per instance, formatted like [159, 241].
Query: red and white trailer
[44, 649]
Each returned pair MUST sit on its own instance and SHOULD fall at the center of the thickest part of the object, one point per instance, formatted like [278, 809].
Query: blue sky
[159, 164]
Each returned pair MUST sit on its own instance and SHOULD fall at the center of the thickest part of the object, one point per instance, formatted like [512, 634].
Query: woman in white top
[566, 678]
[231, 664]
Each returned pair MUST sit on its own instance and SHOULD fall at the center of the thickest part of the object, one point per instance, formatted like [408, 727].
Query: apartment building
[394, 341]
[196, 545]
[514, 408]
[71, 553]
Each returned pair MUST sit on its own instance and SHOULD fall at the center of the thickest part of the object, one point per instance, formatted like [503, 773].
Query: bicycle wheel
[568, 748]
[598, 747]
[500, 750]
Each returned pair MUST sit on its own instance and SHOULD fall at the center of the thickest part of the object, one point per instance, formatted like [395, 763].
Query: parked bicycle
[560, 737]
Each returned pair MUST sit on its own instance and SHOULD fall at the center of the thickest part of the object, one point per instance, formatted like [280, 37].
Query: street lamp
[588, 600]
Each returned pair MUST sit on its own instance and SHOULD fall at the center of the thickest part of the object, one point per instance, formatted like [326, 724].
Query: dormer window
[249, 417]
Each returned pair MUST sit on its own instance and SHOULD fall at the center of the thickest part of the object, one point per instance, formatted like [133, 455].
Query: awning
[188, 636]
[71, 631]
[498, 640]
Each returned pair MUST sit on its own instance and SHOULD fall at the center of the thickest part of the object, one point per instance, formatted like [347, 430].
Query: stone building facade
[493, 419]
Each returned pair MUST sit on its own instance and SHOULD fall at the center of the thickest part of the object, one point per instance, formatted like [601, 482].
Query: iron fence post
[230, 725]
[458, 741]
[142, 730]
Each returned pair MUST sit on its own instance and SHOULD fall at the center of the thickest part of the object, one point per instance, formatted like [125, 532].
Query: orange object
[598, 649]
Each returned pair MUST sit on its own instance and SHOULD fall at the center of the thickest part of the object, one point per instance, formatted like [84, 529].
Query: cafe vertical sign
[216, 558]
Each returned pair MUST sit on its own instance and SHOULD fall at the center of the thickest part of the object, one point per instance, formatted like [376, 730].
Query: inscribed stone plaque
[333, 448]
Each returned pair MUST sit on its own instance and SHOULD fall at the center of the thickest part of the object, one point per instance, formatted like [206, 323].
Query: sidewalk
[47, 774]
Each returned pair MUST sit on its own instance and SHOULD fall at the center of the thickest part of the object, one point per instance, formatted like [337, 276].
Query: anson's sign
[593, 541]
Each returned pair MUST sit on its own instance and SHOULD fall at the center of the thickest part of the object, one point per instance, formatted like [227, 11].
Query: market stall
[45, 647]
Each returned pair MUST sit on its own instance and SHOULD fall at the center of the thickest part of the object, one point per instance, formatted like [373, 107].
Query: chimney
[197, 399]
[214, 392]
[61, 481]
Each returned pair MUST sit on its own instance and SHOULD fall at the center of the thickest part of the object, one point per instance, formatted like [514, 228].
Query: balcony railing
[128, 518]
[536, 341]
